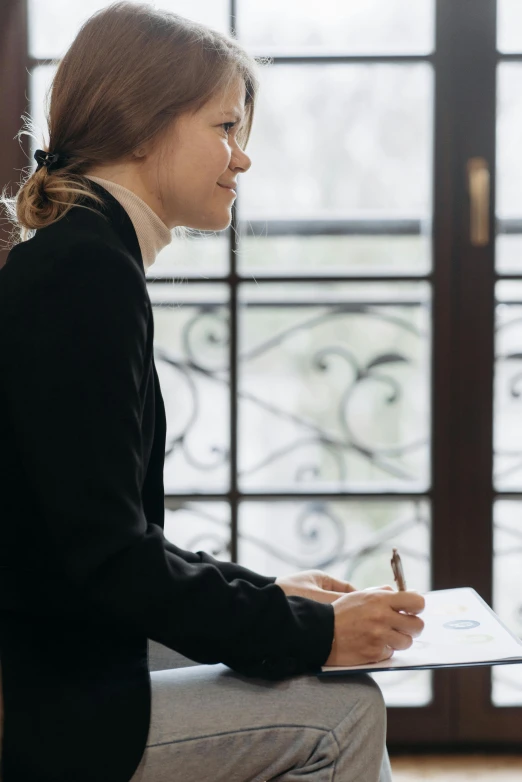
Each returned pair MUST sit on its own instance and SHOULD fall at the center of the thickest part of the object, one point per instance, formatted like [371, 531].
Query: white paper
[459, 629]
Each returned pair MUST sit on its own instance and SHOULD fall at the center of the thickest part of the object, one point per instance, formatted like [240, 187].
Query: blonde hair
[129, 74]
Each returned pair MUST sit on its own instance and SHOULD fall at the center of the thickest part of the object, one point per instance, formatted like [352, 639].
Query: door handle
[478, 186]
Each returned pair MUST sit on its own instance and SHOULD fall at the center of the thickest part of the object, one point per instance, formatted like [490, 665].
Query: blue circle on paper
[461, 624]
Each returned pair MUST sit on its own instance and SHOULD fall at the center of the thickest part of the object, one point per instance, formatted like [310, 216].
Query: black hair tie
[51, 162]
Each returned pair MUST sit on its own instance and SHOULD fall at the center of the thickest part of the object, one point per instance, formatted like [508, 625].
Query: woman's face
[197, 161]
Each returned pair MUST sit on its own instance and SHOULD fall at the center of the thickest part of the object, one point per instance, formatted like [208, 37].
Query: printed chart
[460, 629]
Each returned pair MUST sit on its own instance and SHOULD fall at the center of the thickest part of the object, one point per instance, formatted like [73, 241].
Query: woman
[148, 116]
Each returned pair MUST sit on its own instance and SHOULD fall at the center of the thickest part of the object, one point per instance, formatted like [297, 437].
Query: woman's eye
[227, 125]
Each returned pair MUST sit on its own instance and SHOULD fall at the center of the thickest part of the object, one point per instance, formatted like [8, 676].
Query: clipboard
[460, 631]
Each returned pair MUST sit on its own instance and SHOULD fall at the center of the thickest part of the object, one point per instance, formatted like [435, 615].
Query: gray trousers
[211, 724]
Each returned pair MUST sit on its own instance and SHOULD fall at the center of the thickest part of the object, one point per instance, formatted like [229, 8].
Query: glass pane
[509, 168]
[199, 526]
[334, 386]
[334, 27]
[40, 81]
[351, 540]
[507, 601]
[508, 387]
[509, 25]
[191, 355]
[204, 256]
[53, 24]
[326, 254]
[509, 250]
[340, 149]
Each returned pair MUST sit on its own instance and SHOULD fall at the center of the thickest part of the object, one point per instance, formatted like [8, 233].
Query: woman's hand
[315, 585]
[371, 623]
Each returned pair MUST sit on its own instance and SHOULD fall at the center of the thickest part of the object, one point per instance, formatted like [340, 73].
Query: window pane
[53, 24]
[507, 602]
[335, 27]
[341, 143]
[509, 150]
[39, 87]
[354, 255]
[191, 355]
[509, 25]
[509, 252]
[199, 526]
[204, 256]
[334, 387]
[509, 169]
[351, 540]
[508, 387]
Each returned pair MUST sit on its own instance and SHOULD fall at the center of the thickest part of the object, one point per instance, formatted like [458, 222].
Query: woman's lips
[230, 189]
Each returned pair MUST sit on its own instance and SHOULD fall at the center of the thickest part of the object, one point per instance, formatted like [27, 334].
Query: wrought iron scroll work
[372, 371]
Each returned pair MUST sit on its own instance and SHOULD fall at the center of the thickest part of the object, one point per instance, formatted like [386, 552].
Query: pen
[398, 572]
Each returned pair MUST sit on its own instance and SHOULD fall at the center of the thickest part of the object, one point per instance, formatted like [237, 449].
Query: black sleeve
[230, 570]
[73, 386]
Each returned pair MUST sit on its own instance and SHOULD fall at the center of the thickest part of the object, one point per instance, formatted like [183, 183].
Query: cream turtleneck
[153, 235]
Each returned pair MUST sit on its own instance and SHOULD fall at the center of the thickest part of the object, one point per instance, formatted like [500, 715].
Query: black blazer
[86, 574]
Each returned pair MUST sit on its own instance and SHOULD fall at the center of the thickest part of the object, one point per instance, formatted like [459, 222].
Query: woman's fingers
[409, 601]
[387, 587]
[407, 623]
[398, 640]
[387, 652]
[338, 585]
